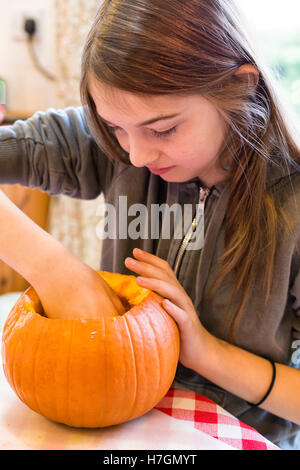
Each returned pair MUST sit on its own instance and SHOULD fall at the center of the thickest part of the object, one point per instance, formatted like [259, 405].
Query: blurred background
[39, 75]
[44, 73]
[275, 28]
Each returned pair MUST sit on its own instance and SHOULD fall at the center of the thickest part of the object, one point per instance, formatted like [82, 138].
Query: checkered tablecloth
[210, 418]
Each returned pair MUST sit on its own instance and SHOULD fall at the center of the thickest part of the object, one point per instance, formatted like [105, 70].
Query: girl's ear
[249, 73]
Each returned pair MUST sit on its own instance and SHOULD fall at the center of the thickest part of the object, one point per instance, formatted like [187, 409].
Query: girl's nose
[142, 155]
[140, 160]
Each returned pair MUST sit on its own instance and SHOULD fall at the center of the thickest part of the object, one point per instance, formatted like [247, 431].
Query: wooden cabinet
[13, 115]
[33, 203]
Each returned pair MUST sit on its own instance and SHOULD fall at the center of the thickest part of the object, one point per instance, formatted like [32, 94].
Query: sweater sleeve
[54, 150]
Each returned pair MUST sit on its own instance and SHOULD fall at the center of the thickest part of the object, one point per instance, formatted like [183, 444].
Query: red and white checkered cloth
[213, 420]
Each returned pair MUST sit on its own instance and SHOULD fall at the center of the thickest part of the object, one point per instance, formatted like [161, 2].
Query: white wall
[27, 89]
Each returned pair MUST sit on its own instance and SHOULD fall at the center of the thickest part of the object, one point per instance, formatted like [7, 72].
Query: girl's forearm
[249, 376]
[67, 287]
[24, 245]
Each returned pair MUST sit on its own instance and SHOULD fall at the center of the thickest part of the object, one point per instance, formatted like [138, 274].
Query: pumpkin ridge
[10, 322]
[131, 413]
[133, 325]
[21, 372]
[13, 368]
[124, 344]
[105, 366]
[8, 368]
[151, 322]
[153, 385]
[104, 363]
[166, 319]
[55, 394]
[69, 391]
[35, 367]
[22, 377]
[98, 411]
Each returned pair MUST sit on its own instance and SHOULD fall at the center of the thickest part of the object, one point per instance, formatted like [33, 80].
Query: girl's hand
[157, 275]
[70, 289]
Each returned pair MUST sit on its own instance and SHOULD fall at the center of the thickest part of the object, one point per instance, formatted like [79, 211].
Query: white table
[24, 429]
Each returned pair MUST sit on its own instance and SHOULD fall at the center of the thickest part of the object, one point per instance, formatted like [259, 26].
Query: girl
[179, 109]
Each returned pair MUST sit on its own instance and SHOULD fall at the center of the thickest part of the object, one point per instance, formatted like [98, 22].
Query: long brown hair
[195, 46]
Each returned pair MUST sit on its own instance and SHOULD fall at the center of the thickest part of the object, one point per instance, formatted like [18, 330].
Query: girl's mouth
[159, 171]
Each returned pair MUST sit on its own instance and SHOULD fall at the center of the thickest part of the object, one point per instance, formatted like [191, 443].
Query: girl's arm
[67, 287]
[54, 151]
[249, 377]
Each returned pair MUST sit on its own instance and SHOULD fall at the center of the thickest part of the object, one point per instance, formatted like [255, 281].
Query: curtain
[72, 221]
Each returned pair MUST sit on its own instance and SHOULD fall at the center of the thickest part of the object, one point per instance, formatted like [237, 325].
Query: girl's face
[184, 134]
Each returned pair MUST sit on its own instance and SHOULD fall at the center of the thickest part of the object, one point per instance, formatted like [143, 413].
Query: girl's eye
[155, 133]
[164, 133]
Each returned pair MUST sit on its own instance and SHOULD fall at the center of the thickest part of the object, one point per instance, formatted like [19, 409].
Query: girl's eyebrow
[149, 121]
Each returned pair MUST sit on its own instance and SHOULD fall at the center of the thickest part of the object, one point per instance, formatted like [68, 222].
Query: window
[274, 26]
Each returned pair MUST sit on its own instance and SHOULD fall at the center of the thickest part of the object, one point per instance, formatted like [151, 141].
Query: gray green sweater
[55, 152]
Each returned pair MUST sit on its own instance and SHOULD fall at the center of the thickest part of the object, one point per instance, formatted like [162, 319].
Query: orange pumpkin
[92, 373]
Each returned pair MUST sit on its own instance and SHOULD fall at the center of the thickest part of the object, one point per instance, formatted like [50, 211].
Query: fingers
[157, 275]
[154, 260]
[149, 265]
[175, 294]
[144, 269]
